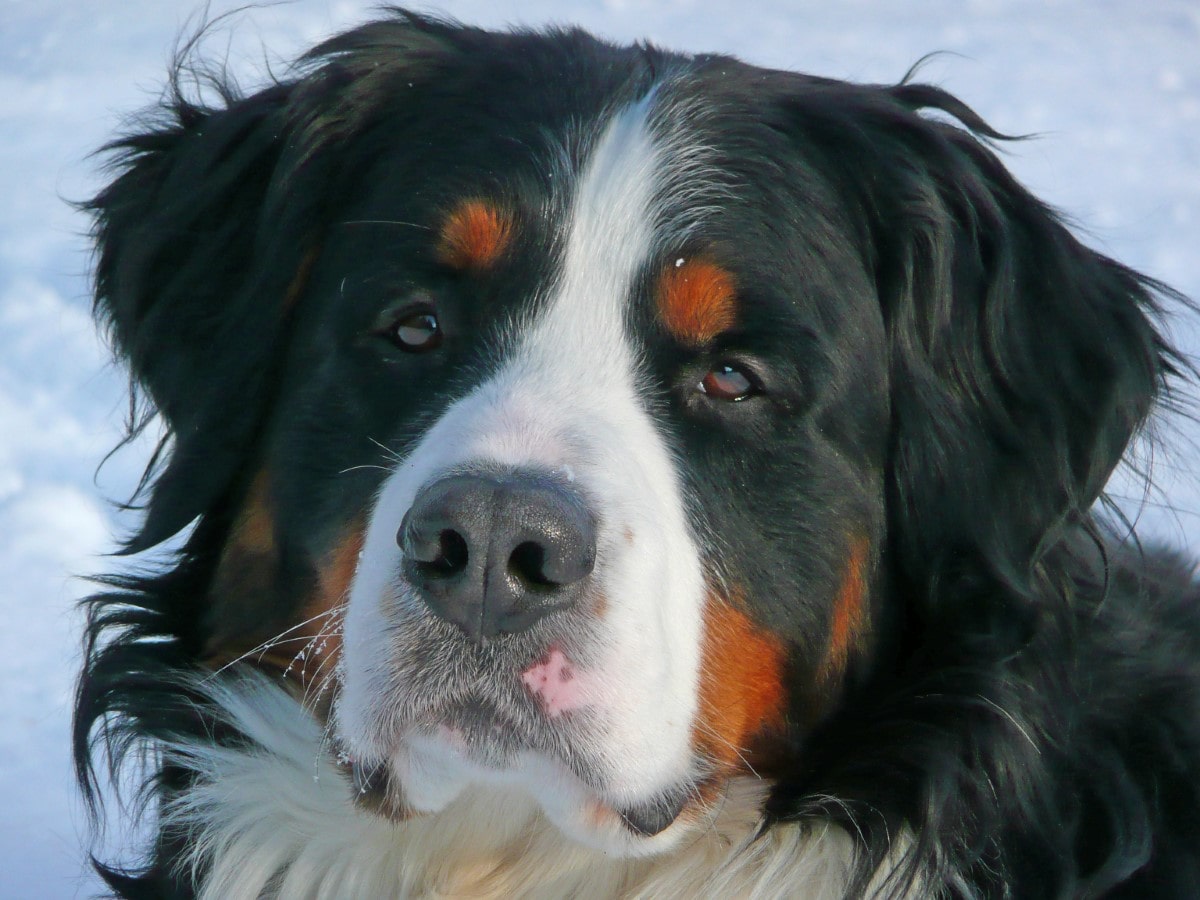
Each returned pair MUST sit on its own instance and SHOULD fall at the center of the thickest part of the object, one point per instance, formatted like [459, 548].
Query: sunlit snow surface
[1112, 88]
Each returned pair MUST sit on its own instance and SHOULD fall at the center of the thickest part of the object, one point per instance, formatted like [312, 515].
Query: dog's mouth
[540, 727]
[378, 790]
[480, 732]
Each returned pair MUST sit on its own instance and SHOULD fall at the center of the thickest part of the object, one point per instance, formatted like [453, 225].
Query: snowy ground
[1113, 87]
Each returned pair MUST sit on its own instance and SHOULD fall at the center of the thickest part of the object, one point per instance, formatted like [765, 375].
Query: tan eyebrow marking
[696, 300]
[474, 236]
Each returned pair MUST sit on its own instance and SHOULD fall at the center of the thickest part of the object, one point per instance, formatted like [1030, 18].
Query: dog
[596, 471]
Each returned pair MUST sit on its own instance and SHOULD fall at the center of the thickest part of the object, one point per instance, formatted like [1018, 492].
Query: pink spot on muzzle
[555, 684]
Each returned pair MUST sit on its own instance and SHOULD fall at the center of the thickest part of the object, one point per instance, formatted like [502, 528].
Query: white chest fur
[280, 822]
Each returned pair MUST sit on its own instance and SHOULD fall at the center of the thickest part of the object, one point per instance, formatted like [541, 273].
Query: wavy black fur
[1032, 715]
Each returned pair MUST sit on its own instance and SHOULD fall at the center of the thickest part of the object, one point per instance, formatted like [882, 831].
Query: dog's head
[597, 419]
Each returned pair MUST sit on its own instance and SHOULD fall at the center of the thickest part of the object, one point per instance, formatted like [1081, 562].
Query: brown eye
[417, 332]
[726, 382]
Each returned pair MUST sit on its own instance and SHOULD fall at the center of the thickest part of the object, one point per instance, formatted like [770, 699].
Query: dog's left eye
[416, 332]
[729, 382]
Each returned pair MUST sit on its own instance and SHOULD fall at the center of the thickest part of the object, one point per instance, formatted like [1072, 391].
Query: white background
[1111, 86]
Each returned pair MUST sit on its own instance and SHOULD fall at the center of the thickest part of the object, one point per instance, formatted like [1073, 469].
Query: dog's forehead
[656, 170]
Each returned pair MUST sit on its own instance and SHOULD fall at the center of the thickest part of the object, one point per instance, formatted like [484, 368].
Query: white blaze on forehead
[610, 236]
[567, 400]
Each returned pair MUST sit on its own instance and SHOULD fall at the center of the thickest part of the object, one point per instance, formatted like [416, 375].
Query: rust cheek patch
[324, 612]
[474, 236]
[742, 693]
[849, 613]
[298, 636]
[696, 301]
[248, 569]
[310, 654]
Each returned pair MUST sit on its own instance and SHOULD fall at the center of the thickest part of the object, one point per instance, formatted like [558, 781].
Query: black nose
[495, 553]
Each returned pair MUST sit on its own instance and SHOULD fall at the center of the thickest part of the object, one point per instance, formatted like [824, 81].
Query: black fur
[1029, 707]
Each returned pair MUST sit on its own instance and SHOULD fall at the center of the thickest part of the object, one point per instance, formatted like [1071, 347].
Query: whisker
[328, 740]
[271, 643]
[317, 642]
[385, 222]
[740, 751]
[320, 682]
[389, 453]
[366, 466]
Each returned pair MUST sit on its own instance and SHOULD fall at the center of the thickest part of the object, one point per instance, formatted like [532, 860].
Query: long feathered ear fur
[195, 260]
[204, 238]
[1022, 362]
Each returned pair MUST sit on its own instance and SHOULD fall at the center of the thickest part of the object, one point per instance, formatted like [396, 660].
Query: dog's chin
[442, 771]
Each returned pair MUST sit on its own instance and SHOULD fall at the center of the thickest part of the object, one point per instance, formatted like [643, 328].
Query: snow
[1112, 87]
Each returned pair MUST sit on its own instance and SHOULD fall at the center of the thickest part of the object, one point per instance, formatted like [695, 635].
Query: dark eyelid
[413, 303]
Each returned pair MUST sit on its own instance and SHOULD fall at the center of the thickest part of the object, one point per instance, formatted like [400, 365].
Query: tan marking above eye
[697, 300]
[474, 236]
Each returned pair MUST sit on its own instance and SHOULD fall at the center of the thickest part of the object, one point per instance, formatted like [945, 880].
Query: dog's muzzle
[495, 553]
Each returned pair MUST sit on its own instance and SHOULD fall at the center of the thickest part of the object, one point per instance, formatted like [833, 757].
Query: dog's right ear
[195, 263]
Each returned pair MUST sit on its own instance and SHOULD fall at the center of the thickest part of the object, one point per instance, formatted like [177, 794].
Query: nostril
[439, 552]
[452, 553]
[528, 563]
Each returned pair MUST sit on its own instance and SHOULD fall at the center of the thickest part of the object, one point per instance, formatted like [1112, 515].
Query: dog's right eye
[729, 382]
[416, 332]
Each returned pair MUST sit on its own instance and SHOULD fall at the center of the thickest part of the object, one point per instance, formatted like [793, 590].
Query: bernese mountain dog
[597, 471]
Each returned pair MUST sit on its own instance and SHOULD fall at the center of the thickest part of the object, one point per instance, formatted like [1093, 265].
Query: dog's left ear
[1021, 361]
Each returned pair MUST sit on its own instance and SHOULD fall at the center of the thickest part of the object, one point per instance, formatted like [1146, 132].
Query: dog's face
[598, 439]
[562, 404]
[599, 390]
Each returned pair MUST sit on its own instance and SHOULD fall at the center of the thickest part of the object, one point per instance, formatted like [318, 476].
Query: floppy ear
[205, 238]
[195, 261]
[1021, 361]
